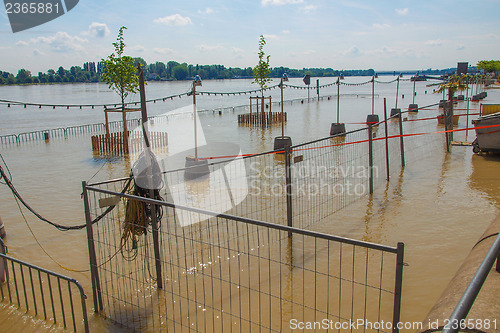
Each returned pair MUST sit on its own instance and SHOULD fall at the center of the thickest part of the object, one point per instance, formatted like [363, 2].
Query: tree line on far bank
[172, 70]
[159, 71]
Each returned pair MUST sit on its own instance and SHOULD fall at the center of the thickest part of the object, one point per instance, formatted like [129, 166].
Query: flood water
[438, 205]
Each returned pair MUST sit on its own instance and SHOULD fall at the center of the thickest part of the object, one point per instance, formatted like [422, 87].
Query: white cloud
[164, 50]
[236, 50]
[207, 48]
[353, 51]
[37, 52]
[285, 32]
[22, 43]
[381, 26]
[206, 11]
[60, 42]
[280, 2]
[403, 11]
[309, 8]
[174, 20]
[270, 36]
[138, 48]
[97, 30]
[309, 52]
[460, 47]
[434, 42]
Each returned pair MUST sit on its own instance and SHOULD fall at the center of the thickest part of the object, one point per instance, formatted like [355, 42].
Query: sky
[338, 34]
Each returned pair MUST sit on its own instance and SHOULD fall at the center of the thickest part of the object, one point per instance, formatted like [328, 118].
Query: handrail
[467, 301]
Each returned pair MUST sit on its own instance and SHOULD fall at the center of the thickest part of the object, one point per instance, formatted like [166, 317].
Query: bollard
[282, 142]
[337, 128]
[372, 119]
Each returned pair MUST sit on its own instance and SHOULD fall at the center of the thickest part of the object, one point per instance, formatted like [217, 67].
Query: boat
[418, 78]
[487, 139]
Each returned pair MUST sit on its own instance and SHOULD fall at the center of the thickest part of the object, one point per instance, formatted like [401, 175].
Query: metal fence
[43, 294]
[211, 272]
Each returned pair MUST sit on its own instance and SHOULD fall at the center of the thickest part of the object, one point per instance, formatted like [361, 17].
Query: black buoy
[195, 168]
[372, 119]
[395, 113]
[413, 108]
[337, 128]
[46, 136]
[281, 142]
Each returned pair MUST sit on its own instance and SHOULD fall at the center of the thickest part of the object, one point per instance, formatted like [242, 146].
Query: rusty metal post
[154, 222]
[370, 156]
[386, 140]
[288, 185]
[96, 286]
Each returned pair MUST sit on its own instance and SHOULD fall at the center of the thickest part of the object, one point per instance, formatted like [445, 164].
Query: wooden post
[107, 122]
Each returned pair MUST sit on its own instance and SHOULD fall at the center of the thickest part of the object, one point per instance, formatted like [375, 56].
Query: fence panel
[45, 295]
[226, 273]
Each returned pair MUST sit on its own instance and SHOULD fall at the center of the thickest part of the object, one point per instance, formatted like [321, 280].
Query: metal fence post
[96, 287]
[401, 139]
[386, 140]
[288, 180]
[370, 156]
[398, 286]
[154, 225]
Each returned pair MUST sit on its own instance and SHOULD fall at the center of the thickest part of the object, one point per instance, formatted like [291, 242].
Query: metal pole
[386, 139]
[154, 222]
[398, 286]
[414, 82]
[470, 294]
[397, 92]
[373, 95]
[447, 119]
[96, 287]
[288, 180]
[282, 119]
[467, 120]
[338, 98]
[194, 112]
[370, 155]
[317, 88]
[401, 139]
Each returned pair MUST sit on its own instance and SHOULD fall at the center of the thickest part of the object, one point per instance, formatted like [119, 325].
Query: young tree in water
[261, 71]
[119, 72]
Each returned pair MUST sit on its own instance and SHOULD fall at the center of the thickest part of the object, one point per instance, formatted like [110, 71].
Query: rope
[40, 217]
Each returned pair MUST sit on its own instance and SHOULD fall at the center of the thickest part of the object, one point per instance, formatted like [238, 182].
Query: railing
[192, 269]
[42, 294]
[457, 319]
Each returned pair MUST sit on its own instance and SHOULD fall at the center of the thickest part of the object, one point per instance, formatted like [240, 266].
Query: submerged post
[386, 140]
[401, 139]
[96, 286]
[370, 156]
[288, 185]
[398, 287]
[154, 221]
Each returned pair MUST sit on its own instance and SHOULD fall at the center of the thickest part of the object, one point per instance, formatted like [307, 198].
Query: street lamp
[280, 142]
[195, 168]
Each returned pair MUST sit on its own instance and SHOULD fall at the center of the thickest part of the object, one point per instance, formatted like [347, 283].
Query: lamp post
[195, 168]
[372, 118]
[338, 128]
[413, 107]
[396, 111]
[280, 142]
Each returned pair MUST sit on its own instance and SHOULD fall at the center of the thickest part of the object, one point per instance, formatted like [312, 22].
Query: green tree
[119, 72]
[24, 76]
[180, 72]
[261, 71]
